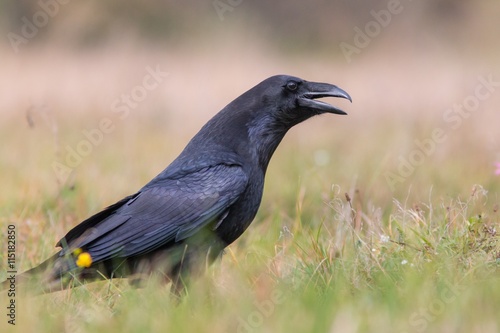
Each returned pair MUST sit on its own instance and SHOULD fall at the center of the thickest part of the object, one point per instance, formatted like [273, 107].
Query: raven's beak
[318, 90]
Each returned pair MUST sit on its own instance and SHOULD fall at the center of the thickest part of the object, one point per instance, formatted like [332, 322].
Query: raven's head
[255, 122]
[294, 100]
[297, 98]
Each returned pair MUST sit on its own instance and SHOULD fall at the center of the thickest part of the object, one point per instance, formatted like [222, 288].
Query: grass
[333, 248]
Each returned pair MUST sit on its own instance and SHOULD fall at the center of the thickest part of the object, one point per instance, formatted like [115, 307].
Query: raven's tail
[57, 273]
[40, 277]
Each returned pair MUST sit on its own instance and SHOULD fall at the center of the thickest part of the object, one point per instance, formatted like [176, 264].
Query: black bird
[183, 218]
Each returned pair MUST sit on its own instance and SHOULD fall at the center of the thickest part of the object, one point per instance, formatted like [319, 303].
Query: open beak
[319, 90]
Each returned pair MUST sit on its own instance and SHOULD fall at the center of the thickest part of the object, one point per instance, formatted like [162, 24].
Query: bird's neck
[252, 138]
[263, 139]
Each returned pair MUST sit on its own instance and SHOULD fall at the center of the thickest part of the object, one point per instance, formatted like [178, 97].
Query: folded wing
[166, 211]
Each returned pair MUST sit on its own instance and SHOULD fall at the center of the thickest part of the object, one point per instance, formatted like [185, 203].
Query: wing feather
[165, 211]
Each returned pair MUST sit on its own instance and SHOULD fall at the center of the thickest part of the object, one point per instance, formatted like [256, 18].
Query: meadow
[384, 220]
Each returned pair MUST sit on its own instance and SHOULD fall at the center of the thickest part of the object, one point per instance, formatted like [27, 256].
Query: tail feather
[38, 276]
[55, 274]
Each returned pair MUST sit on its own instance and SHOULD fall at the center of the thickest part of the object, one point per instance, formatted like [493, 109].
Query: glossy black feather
[203, 201]
[167, 210]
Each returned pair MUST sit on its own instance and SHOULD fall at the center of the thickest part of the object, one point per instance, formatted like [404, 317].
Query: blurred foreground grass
[421, 257]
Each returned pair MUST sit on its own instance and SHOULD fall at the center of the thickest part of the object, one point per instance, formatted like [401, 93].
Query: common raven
[203, 201]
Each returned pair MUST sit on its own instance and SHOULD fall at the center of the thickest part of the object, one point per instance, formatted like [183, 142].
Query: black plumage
[203, 201]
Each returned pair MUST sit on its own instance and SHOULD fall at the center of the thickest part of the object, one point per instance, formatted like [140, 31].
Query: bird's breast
[243, 211]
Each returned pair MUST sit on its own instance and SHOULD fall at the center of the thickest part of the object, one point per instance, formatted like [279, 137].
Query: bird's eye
[292, 86]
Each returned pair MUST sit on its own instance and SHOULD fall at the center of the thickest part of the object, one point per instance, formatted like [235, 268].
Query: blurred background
[97, 97]
[410, 67]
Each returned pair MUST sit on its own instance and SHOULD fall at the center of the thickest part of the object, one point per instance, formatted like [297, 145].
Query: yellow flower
[84, 260]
